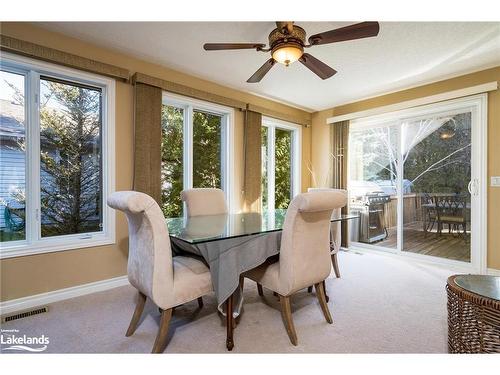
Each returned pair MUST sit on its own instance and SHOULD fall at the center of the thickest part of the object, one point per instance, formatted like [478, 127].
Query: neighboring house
[12, 157]
[389, 187]
[359, 188]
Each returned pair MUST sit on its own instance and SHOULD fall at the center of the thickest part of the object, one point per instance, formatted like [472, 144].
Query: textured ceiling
[404, 54]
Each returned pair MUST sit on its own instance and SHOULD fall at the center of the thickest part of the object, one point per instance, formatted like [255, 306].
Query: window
[280, 147]
[195, 149]
[56, 150]
[207, 150]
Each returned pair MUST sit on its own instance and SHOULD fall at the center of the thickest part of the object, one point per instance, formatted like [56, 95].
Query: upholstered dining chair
[335, 231]
[204, 201]
[167, 281]
[304, 257]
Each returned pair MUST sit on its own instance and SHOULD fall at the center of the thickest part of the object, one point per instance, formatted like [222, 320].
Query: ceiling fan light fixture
[448, 130]
[287, 42]
[287, 53]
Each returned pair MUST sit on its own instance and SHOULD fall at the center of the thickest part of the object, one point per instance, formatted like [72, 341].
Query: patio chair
[429, 214]
[451, 210]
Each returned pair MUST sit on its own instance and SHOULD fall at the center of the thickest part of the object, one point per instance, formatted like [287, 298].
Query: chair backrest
[305, 241]
[451, 205]
[150, 268]
[204, 201]
[335, 227]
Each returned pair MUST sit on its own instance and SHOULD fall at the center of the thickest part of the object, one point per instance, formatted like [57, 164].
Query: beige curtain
[147, 147]
[339, 151]
[252, 154]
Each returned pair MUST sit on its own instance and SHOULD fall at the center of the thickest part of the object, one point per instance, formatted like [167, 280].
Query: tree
[171, 160]
[432, 162]
[283, 168]
[70, 179]
[207, 155]
[70, 160]
[207, 150]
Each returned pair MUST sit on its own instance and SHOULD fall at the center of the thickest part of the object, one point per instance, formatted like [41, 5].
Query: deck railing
[411, 210]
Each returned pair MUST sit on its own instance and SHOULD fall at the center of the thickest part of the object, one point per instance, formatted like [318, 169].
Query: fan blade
[259, 74]
[351, 32]
[224, 46]
[322, 70]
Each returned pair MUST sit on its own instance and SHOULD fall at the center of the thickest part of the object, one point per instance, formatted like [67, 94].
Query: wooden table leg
[229, 323]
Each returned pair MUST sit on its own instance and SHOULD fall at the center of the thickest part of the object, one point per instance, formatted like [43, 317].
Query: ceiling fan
[287, 43]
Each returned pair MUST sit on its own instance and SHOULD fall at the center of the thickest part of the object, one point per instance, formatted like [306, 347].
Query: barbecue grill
[371, 210]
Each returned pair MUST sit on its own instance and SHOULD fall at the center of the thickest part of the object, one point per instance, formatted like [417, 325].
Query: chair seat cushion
[267, 274]
[191, 279]
[457, 219]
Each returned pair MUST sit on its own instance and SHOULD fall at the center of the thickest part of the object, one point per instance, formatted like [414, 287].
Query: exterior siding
[12, 177]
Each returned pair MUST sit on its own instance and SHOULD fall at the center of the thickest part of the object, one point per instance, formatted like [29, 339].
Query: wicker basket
[473, 321]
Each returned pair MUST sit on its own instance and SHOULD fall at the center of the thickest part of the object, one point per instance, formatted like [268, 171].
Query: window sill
[48, 246]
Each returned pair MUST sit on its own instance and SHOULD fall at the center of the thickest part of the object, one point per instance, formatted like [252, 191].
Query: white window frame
[34, 243]
[478, 106]
[272, 124]
[188, 105]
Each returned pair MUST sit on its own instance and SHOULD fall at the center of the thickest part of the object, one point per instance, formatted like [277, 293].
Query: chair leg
[335, 264]
[431, 226]
[320, 292]
[242, 282]
[286, 314]
[324, 290]
[200, 302]
[259, 289]
[161, 337]
[139, 308]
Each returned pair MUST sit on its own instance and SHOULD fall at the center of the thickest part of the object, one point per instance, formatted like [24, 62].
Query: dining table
[230, 245]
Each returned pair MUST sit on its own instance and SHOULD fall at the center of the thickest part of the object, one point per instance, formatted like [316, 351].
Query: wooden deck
[446, 245]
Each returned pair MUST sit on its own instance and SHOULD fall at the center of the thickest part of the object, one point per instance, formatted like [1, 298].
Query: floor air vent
[25, 314]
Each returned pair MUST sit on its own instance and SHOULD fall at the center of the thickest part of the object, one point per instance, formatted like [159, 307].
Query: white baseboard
[13, 305]
[493, 272]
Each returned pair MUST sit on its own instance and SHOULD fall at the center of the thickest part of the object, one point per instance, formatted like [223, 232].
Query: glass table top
[208, 228]
[486, 286]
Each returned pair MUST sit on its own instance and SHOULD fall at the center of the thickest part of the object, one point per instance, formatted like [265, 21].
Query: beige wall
[321, 138]
[28, 275]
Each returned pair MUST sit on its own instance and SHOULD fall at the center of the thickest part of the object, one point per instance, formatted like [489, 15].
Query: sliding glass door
[373, 182]
[414, 180]
[437, 154]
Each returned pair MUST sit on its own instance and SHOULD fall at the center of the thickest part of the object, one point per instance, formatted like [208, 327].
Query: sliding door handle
[473, 187]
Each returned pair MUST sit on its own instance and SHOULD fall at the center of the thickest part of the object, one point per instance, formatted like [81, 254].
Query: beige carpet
[380, 305]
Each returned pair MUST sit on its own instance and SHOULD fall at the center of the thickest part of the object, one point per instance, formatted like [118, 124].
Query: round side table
[473, 314]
